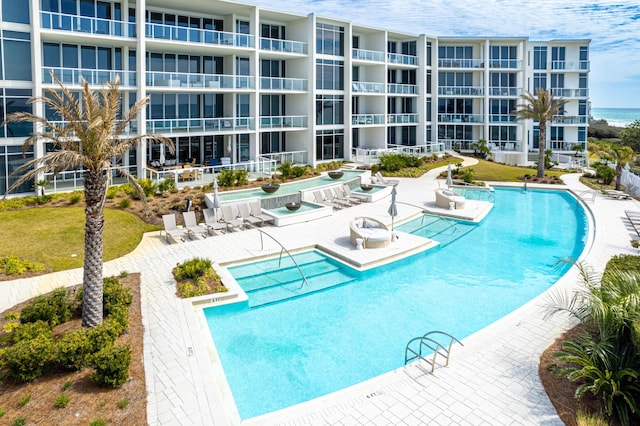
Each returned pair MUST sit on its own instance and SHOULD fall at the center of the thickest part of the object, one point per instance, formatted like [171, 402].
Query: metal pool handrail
[426, 211]
[304, 279]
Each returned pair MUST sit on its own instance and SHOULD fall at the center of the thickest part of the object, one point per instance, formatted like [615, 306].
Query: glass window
[17, 56]
[69, 56]
[51, 54]
[329, 39]
[15, 11]
[49, 5]
[540, 57]
[242, 147]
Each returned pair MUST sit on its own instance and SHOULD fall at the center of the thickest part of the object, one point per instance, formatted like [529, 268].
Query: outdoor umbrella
[188, 204]
[162, 156]
[393, 210]
[216, 198]
[449, 180]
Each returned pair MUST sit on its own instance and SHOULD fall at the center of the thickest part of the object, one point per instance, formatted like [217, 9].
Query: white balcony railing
[460, 63]
[85, 24]
[572, 119]
[367, 119]
[207, 81]
[402, 89]
[284, 122]
[367, 87]
[570, 93]
[283, 84]
[496, 145]
[397, 58]
[501, 118]
[505, 91]
[196, 35]
[570, 65]
[293, 157]
[189, 125]
[460, 118]
[505, 63]
[367, 55]
[460, 91]
[285, 46]
[75, 76]
[402, 118]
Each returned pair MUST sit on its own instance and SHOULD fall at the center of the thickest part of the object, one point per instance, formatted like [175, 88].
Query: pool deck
[492, 380]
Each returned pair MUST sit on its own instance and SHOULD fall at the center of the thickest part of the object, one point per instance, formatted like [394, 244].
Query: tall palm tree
[542, 107]
[88, 135]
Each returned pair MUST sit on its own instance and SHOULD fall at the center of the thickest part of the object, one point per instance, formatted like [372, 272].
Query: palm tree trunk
[542, 147]
[95, 190]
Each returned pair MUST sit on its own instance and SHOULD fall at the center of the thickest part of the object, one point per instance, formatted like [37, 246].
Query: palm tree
[620, 154]
[89, 135]
[542, 107]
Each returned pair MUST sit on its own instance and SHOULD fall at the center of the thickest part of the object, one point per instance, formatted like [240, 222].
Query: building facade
[252, 86]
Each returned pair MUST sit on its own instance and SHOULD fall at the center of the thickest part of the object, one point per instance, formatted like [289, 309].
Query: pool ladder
[419, 348]
[283, 249]
[426, 212]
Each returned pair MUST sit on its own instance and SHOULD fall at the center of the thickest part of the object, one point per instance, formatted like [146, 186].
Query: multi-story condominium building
[235, 83]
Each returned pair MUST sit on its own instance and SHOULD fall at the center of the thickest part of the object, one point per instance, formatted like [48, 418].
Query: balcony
[75, 76]
[195, 35]
[570, 65]
[505, 63]
[283, 84]
[570, 93]
[397, 58]
[367, 55]
[193, 125]
[497, 145]
[284, 46]
[367, 87]
[502, 118]
[460, 91]
[571, 119]
[460, 118]
[402, 118]
[460, 63]
[284, 122]
[85, 24]
[367, 119]
[505, 91]
[563, 145]
[402, 89]
[208, 81]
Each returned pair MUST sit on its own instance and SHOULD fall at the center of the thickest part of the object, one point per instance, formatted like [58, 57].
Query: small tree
[481, 149]
[631, 136]
[619, 154]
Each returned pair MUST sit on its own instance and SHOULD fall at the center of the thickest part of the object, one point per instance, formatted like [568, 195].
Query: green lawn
[490, 171]
[53, 235]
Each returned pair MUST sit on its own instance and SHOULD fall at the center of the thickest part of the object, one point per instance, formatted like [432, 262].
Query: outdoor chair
[245, 215]
[231, 218]
[331, 196]
[348, 195]
[256, 211]
[319, 198]
[171, 229]
[211, 223]
[192, 225]
[381, 180]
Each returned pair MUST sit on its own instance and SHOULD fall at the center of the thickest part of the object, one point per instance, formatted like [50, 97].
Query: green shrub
[20, 421]
[13, 265]
[31, 330]
[604, 172]
[61, 401]
[226, 178]
[74, 349]
[112, 366]
[149, 187]
[123, 274]
[55, 308]
[299, 171]
[624, 262]
[193, 269]
[113, 191]
[393, 162]
[285, 170]
[467, 175]
[98, 422]
[241, 177]
[123, 403]
[76, 197]
[2, 412]
[114, 294]
[27, 359]
[166, 185]
[193, 289]
[125, 203]
[104, 334]
[67, 385]
[24, 400]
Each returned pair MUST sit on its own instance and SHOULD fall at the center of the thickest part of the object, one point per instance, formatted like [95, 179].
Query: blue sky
[612, 26]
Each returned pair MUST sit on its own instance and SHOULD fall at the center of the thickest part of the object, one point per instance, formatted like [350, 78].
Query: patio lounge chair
[211, 223]
[331, 196]
[245, 215]
[319, 198]
[350, 196]
[381, 180]
[231, 218]
[616, 195]
[192, 225]
[256, 211]
[372, 232]
[171, 229]
[449, 199]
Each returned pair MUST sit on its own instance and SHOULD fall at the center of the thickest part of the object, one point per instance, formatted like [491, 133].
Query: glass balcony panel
[402, 118]
[287, 46]
[461, 91]
[84, 24]
[505, 91]
[460, 118]
[281, 122]
[460, 63]
[186, 125]
[367, 87]
[191, 35]
[402, 89]
[397, 58]
[367, 55]
[503, 63]
[284, 84]
[367, 119]
[74, 76]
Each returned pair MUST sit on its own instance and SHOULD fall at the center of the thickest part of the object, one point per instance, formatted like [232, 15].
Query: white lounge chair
[381, 180]
[230, 217]
[245, 215]
[449, 199]
[192, 226]
[320, 198]
[171, 229]
[350, 196]
[211, 223]
[256, 211]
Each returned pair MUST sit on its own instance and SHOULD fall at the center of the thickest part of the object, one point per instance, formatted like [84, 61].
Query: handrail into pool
[426, 211]
[304, 279]
[437, 348]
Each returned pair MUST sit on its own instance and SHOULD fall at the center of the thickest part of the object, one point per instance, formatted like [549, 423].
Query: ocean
[620, 117]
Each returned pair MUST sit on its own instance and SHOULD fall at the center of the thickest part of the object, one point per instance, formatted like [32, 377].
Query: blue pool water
[357, 324]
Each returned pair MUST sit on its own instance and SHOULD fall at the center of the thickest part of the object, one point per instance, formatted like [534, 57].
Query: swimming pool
[279, 354]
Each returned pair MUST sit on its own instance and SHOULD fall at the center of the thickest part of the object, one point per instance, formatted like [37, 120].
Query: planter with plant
[196, 277]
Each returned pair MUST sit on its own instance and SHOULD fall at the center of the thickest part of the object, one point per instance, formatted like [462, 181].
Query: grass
[495, 172]
[52, 235]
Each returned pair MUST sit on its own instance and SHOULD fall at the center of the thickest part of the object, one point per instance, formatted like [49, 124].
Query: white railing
[131, 128]
[461, 118]
[570, 65]
[72, 180]
[372, 155]
[75, 76]
[505, 91]
[182, 125]
[190, 176]
[367, 87]
[502, 118]
[367, 55]
[504, 145]
[505, 63]
[397, 58]
[402, 89]
[630, 181]
[461, 91]
[457, 144]
[196, 35]
[286, 46]
[85, 24]
[570, 93]
[367, 119]
[572, 119]
[284, 121]
[283, 84]
[402, 118]
[209, 81]
[460, 63]
[293, 157]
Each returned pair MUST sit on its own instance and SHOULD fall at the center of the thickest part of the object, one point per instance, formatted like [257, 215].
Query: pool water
[278, 354]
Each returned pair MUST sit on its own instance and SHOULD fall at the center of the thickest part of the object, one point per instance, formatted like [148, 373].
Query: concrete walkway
[492, 380]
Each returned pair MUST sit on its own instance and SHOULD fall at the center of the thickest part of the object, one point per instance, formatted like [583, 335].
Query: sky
[612, 26]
